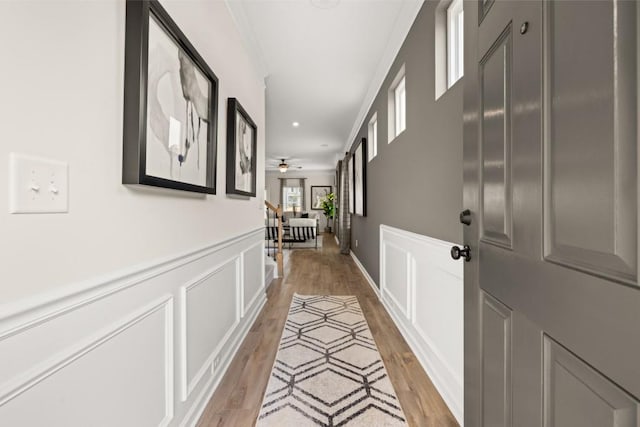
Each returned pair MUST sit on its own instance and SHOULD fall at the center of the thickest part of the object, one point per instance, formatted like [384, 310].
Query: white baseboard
[366, 275]
[270, 275]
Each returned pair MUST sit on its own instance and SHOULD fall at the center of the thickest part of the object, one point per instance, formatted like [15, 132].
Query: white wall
[126, 310]
[313, 178]
[62, 98]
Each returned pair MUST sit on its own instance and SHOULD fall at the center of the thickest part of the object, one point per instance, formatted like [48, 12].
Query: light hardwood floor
[237, 400]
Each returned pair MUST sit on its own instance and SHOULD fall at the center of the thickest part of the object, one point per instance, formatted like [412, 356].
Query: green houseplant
[329, 208]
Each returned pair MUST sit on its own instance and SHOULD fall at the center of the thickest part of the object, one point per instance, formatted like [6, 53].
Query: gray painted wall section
[414, 183]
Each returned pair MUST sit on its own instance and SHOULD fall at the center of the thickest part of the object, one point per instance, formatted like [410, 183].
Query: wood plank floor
[237, 400]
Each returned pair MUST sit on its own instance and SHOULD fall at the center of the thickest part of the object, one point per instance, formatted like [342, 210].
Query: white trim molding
[72, 354]
[249, 40]
[421, 288]
[39, 373]
[366, 275]
[15, 317]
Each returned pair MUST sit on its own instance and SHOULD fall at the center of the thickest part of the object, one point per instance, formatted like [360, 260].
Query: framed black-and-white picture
[318, 193]
[241, 150]
[170, 105]
[350, 178]
[359, 178]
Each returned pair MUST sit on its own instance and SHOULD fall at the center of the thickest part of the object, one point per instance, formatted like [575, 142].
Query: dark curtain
[303, 202]
[336, 214]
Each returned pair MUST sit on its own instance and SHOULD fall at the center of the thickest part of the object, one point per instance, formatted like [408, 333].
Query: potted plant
[329, 209]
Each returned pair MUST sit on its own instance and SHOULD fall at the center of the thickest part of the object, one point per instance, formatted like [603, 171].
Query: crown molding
[248, 37]
[404, 21]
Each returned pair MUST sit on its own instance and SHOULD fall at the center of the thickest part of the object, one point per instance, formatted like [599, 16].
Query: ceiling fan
[283, 164]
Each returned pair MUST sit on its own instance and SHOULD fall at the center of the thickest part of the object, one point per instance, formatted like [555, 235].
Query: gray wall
[414, 183]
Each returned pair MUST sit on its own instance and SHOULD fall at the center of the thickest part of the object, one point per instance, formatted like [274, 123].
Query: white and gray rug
[328, 371]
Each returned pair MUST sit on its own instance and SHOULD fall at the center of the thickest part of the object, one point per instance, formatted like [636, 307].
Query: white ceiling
[323, 62]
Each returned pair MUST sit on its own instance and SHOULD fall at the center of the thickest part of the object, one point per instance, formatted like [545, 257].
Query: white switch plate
[37, 185]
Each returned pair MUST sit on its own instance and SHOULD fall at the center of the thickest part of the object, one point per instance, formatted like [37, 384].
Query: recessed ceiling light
[324, 145]
[295, 124]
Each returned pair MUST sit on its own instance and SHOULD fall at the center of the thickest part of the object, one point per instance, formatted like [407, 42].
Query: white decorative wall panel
[397, 277]
[422, 288]
[134, 349]
[210, 308]
[253, 277]
[129, 388]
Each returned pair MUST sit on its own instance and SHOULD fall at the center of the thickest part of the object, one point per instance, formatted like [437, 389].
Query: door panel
[526, 368]
[592, 317]
[577, 396]
[590, 141]
[496, 363]
[483, 8]
[495, 72]
[550, 175]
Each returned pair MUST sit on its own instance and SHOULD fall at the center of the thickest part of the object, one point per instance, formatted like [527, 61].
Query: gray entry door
[552, 303]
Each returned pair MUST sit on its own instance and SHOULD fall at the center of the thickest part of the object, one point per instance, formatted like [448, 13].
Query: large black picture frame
[234, 111]
[139, 13]
[359, 175]
[352, 194]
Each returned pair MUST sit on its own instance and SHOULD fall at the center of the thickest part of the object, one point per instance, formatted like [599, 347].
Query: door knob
[465, 217]
[465, 252]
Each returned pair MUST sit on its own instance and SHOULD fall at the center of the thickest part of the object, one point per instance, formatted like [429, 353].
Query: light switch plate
[37, 185]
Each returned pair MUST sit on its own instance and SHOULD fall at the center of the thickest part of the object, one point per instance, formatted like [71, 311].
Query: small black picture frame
[318, 192]
[242, 146]
[170, 130]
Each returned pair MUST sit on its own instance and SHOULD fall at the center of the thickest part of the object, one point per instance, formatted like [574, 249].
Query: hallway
[237, 400]
[479, 159]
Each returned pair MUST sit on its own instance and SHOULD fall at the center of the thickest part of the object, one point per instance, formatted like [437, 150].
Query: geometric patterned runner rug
[328, 371]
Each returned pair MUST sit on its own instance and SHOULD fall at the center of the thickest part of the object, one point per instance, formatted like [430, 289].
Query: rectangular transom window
[372, 140]
[401, 101]
[455, 40]
[397, 102]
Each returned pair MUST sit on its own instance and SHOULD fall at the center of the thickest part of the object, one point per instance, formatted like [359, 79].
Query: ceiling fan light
[283, 167]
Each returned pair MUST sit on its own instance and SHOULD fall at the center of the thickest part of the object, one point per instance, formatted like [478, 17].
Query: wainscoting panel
[422, 289]
[128, 389]
[397, 278]
[253, 277]
[147, 346]
[211, 307]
